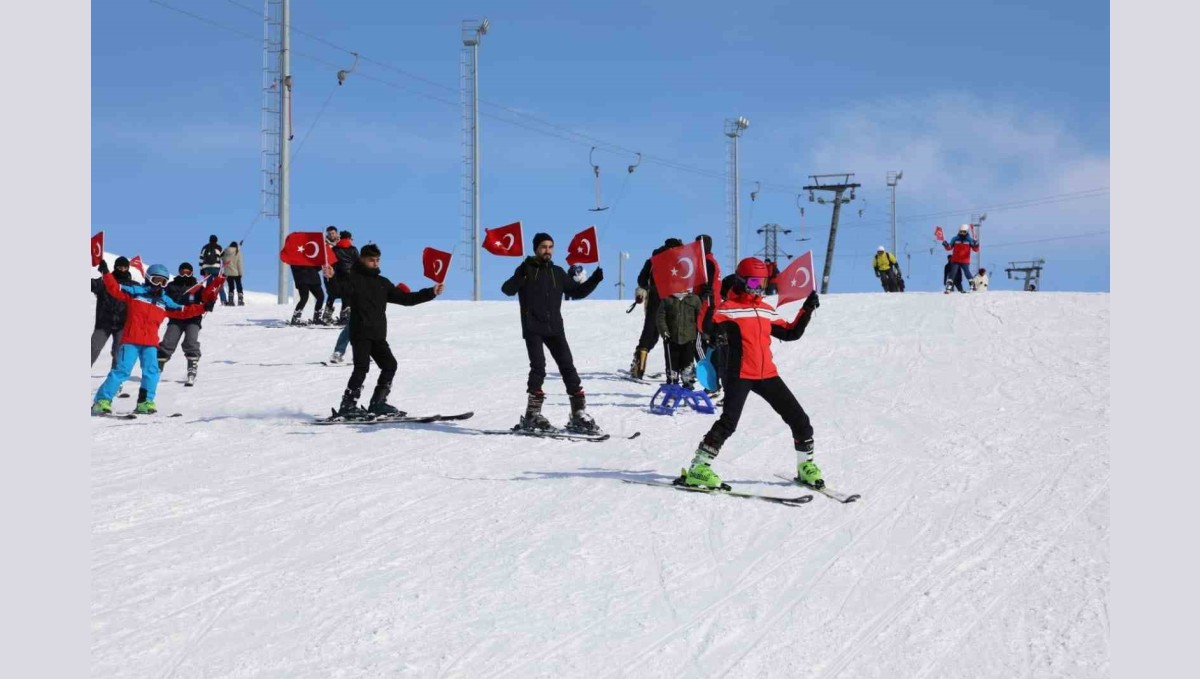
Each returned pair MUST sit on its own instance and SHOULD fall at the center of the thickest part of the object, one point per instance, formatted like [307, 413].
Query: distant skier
[187, 328]
[540, 286]
[210, 261]
[368, 292]
[646, 294]
[960, 248]
[147, 306]
[980, 282]
[110, 312]
[676, 322]
[231, 260]
[346, 255]
[308, 281]
[748, 323]
[887, 270]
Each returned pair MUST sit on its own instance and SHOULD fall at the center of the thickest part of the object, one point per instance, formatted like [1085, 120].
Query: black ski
[787, 501]
[116, 416]
[559, 434]
[828, 492]
[648, 378]
[330, 364]
[422, 419]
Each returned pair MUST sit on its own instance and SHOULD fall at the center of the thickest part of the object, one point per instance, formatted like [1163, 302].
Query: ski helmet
[964, 228]
[752, 267]
[158, 271]
[880, 249]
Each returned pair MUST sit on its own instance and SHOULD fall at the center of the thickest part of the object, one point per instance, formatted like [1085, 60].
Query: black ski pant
[99, 337]
[560, 351]
[679, 356]
[317, 292]
[235, 284]
[649, 336]
[775, 393]
[365, 351]
[190, 332]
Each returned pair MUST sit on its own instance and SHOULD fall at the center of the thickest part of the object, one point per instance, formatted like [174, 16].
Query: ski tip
[634, 435]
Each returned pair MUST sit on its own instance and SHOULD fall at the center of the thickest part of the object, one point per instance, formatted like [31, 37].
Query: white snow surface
[238, 541]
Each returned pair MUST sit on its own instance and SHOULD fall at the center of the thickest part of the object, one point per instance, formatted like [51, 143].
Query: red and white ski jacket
[748, 324]
[144, 315]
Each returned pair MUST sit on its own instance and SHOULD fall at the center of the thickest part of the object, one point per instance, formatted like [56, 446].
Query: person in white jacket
[979, 283]
[231, 259]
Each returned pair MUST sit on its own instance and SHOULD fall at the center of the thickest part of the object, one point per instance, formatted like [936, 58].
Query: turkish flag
[505, 241]
[97, 248]
[797, 280]
[136, 263]
[679, 269]
[437, 263]
[938, 235]
[584, 248]
[306, 248]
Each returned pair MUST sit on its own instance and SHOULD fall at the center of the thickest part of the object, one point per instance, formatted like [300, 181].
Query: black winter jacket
[110, 313]
[177, 291]
[346, 254]
[306, 275]
[540, 287]
[368, 292]
[210, 255]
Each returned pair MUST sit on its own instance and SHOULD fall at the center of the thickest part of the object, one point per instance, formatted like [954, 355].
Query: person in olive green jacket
[231, 259]
[676, 321]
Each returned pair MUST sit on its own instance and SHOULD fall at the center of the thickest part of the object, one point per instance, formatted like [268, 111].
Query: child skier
[676, 321]
[187, 329]
[366, 291]
[748, 323]
[146, 307]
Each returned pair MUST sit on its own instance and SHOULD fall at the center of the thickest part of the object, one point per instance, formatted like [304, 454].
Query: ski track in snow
[238, 541]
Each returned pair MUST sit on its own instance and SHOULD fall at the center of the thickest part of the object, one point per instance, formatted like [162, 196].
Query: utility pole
[733, 130]
[893, 178]
[977, 226]
[823, 182]
[472, 32]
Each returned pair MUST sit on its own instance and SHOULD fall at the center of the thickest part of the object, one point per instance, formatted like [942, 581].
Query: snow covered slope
[238, 541]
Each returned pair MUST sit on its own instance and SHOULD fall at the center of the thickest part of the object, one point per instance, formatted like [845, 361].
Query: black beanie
[212, 239]
[185, 265]
[370, 250]
[539, 237]
[673, 243]
[707, 240]
[121, 261]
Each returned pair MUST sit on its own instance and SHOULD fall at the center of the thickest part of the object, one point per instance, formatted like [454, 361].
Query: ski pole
[631, 306]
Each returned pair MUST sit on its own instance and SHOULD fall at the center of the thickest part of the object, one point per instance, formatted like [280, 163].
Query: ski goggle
[756, 284]
[158, 281]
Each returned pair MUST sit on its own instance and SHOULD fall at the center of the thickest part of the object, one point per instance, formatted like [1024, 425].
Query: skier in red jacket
[747, 324]
[146, 307]
[960, 248]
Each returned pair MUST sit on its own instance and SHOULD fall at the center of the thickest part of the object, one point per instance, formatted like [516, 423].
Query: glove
[666, 337]
[877, 273]
[598, 274]
[640, 295]
[811, 302]
[102, 267]
[520, 274]
[210, 305]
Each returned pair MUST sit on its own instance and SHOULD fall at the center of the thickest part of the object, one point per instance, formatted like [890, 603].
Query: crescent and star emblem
[691, 268]
[588, 243]
[807, 278]
[437, 266]
[511, 241]
[304, 249]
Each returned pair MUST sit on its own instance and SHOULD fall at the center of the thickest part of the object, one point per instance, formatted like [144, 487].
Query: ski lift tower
[472, 32]
[733, 130]
[1031, 270]
[275, 128]
[838, 184]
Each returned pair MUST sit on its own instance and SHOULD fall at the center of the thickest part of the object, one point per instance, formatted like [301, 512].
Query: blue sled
[674, 394]
[706, 372]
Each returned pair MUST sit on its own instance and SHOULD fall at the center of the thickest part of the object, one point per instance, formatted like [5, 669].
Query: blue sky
[982, 104]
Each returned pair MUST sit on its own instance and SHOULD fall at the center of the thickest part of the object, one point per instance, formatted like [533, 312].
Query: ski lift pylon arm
[341, 75]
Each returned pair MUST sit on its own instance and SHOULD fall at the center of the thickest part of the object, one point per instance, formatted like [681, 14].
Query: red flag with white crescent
[797, 280]
[679, 269]
[136, 263]
[584, 248]
[97, 248]
[306, 248]
[436, 264]
[938, 234]
[505, 241]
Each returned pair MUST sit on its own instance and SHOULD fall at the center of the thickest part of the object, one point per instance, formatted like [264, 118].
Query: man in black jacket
[187, 328]
[210, 261]
[346, 255]
[647, 294]
[369, 293]
[540, 286]
[110, 314]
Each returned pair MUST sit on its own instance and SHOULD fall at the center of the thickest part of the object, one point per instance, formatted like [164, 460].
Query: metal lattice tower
[272, 121]
[770, 250]
[472, 31]
[733, 131]
[1032, 271]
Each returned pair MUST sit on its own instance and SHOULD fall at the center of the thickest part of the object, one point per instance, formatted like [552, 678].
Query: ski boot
[350, 409]
[807, 471]
[241, 301]
[379, 406]
[701, 474]
[192, 365]
[337, 358]
[146, 407]
[317, 319]
[638, 367]
[327, 316]
[162, 363]
[344, 317]
[533, 420]
[581, 422]
[102, 407]
[296, 320]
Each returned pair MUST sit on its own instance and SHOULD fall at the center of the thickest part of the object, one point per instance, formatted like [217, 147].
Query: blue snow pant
[343, 340]
[958, 273]
[127, 356]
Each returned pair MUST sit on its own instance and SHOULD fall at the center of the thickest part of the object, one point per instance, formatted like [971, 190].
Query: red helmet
[752, 267]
